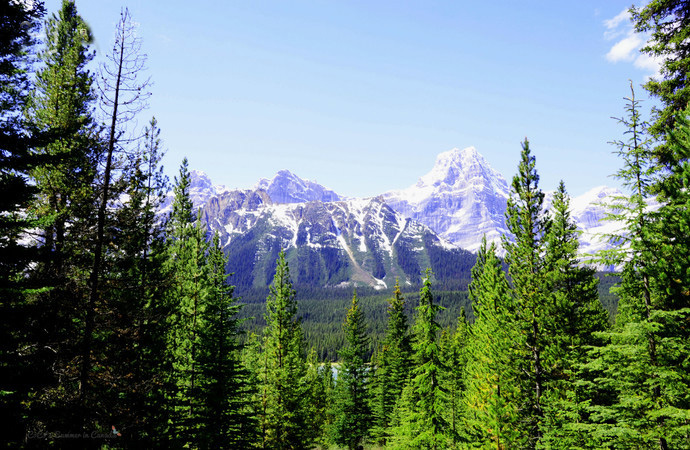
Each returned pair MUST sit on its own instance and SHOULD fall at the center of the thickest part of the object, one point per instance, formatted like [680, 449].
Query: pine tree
[393, 364]
[534, 310]
[491, 396]
[353, 416]
[422, 422]
[224, 388]
[188, 293]
[61, 104]
[283, 418]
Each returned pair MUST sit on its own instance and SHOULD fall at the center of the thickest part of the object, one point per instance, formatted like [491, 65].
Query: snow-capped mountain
[201, 190]
[589, 211]
[347, 242]
[331, 240]
[286, 187]
[461, 198]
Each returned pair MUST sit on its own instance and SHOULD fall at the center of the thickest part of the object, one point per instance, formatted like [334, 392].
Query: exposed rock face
[461, 198]
[286, 187]
[358, 241]
[331, 240]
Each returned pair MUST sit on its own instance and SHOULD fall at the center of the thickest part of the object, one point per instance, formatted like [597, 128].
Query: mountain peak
[286, 187]
[458, 168]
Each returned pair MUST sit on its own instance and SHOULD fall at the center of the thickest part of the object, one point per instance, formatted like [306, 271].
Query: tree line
[120, 327]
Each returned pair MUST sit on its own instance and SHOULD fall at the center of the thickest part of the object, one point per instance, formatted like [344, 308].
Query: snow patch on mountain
[462, 198]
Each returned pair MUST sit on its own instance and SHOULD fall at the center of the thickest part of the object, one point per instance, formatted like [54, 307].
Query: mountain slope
[461, 198]
[348, 242]
[332, 241]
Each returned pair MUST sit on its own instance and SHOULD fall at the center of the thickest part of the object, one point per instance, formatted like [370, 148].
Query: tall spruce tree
[534, 312]
[571, 387]
[645, 361]
[492, 396]
[393, 364]
[224, 389]
[62, 103]
[188, 293]
[353, 417]
[421, 416]
[283, 418]
[137, 284]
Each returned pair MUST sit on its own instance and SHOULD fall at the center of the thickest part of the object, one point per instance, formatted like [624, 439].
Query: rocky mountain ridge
[332, 240]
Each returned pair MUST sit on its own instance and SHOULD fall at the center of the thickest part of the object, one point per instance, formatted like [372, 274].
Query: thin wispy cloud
[627, 44]
[613, 26]
[626, 49]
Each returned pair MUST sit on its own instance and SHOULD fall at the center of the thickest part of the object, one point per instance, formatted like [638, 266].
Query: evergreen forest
[122, 329]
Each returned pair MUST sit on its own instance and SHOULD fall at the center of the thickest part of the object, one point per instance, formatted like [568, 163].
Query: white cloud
[628, 44]
[625, 49]
[622, 17]
[648, 63]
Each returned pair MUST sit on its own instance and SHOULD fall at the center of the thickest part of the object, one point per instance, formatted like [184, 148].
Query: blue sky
[362, 95]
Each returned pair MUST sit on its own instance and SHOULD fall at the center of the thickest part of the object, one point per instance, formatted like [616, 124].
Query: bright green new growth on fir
[491, 394]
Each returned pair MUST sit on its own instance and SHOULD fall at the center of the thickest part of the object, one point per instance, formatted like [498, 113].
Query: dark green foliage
[393, 364]
[242, 261]
[224, 389]
[17, 24]
[608, 299]
[190, 285]
[421, 419]
[136, 285]
[668, 23]
[451, 268]
[282, 378]
[353, 416]
[407, 261]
